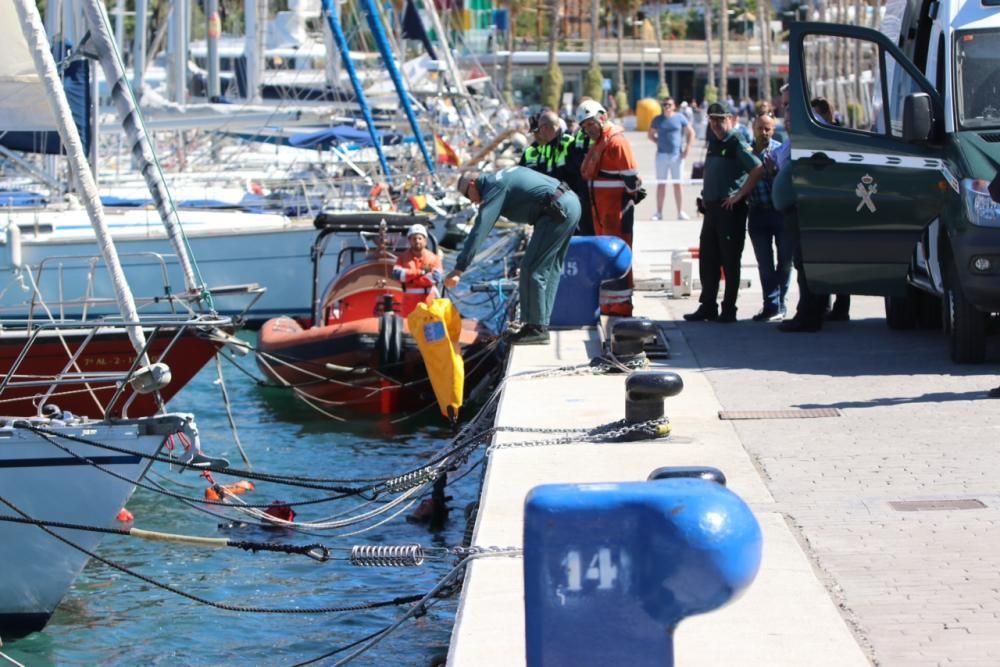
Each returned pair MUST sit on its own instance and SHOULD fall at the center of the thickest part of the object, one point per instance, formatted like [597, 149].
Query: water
[110, 618]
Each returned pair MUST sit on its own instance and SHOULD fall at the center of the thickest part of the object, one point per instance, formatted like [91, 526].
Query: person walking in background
[673, 136]
[745, 133]
[766, 228]
[615, 189]
[524, 196]
[731, 173]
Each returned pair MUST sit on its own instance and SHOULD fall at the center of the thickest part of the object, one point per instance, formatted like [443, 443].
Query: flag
[418, 202]
[444, 152]
[413, 28]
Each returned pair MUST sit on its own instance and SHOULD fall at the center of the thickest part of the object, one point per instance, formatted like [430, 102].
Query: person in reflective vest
[418, 269]
[524, 196]
[615, 189]
[547, 155]
[578, 150]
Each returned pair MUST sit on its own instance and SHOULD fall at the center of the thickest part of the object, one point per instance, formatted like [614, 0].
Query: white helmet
[416, 229]
[589, 109]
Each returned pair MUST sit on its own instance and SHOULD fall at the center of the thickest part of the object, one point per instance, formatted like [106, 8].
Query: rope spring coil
[381, 555]
[410, 480]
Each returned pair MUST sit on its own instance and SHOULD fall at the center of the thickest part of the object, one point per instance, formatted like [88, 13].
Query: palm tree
[621, 8]
[723, 56]
[552, 81]
[764, 22]
[513, 11]
[710, 88]
[593, 82]
[662, 90]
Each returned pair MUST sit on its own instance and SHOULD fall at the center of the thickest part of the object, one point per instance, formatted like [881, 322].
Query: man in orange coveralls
[418, 269]
[615, 189]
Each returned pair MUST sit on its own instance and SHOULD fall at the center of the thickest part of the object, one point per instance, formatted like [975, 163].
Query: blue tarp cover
[17, 198]
[342, 134]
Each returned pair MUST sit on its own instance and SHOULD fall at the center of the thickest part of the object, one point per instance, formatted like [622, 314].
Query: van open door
[869, 184]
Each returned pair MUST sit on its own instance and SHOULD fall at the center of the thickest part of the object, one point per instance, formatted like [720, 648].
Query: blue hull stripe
[64, 461]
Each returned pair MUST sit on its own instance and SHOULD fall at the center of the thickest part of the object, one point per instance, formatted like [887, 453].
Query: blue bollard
[611, 569]
[590, 261]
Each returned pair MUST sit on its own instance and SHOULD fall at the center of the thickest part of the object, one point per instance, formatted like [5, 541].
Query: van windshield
[977, 77]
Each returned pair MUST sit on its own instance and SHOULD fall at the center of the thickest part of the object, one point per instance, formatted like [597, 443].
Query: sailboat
[60, 468]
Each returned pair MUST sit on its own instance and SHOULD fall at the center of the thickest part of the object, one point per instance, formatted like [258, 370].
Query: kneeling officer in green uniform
[522, 195]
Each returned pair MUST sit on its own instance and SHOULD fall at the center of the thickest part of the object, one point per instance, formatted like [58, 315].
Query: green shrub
[621, 102]
[552, 86]
[593, 82]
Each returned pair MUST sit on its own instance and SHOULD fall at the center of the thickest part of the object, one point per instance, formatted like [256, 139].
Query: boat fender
[151, 378]
[373, 194]
[390, 343]
[14, 246]
[280, 510]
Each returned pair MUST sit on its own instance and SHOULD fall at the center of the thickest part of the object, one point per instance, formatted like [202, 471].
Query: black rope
[394, 602]
[317, 552]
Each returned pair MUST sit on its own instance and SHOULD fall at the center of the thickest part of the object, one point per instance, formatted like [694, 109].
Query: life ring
[373, 194]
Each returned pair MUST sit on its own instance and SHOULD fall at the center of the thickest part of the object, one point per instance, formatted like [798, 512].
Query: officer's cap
[717, 110]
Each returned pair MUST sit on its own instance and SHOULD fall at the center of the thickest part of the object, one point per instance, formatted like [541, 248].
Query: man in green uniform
[731, 172]
[525, 196]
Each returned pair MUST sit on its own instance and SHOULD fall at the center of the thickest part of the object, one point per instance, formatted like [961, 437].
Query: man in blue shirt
[766, 228]
[674, 137]
[522, 195]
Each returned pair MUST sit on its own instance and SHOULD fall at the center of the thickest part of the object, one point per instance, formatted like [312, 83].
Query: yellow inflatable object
[645, 111]
[436, 329]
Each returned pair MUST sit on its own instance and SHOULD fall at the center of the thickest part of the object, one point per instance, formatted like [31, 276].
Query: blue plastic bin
[590, 261]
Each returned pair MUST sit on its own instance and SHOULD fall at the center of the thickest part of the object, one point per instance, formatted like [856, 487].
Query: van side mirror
[918, 118]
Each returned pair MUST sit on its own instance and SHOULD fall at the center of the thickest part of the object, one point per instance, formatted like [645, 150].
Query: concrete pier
[877, 520]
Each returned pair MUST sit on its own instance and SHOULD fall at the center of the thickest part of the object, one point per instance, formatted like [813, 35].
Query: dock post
[645, 392]
[611, 569]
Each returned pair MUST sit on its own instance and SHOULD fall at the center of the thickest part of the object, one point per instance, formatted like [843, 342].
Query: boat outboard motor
[390, 339]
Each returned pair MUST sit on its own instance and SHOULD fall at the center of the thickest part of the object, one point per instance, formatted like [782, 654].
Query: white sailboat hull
[48, 484]
[233, 248]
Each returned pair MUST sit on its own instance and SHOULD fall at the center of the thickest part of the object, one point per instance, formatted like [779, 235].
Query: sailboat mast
[378, 32]
[333, 20]
[45, 66]
[142, 151]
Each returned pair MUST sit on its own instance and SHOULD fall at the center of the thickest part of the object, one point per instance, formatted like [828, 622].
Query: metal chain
[465, 552]
[614, 432]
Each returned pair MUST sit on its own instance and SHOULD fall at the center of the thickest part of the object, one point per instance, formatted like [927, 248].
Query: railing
[41, 309]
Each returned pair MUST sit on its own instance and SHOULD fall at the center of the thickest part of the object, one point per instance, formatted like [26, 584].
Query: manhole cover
[933, 505]
[779, 414]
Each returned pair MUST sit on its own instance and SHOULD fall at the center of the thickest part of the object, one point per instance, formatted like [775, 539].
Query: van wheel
[929, 312]
[901, 311]
[967, 327]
